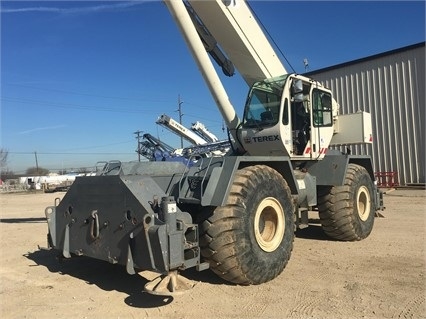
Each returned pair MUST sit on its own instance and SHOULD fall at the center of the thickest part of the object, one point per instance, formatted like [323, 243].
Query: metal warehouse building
[391, 86]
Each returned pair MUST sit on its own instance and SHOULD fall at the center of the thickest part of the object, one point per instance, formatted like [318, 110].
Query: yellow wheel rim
[363, 203]
[269, 224]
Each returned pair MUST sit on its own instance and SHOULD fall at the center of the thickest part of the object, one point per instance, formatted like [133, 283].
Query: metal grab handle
[94, 227]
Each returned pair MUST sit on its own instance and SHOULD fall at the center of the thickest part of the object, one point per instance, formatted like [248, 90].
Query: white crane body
[235, 214]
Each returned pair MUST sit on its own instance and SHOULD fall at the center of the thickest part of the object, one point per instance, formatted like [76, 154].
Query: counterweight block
[126, 220]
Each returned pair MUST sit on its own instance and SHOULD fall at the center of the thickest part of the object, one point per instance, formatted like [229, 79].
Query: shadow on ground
[314, 231]
[111, 277]
[23, 220]
[106, 276]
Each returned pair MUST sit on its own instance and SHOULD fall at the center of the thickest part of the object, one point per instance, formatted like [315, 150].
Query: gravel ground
[382, 276]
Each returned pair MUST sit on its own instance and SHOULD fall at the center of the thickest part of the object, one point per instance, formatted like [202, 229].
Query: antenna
[306, 64]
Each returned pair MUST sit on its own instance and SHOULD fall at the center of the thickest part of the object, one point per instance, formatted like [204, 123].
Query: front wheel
[347, 212]
[250, 239]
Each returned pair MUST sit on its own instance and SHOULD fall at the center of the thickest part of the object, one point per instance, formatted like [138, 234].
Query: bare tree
[7, 174]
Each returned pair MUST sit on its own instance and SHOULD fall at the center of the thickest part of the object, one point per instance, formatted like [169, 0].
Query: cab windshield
[263, 103]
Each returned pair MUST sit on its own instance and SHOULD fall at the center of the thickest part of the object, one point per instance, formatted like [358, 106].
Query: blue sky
[78, 78]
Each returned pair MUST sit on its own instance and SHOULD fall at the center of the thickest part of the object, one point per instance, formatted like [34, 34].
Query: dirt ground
[382, 276]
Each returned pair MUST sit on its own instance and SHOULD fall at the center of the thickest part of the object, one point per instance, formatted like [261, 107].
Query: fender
[331, 170]
[222, 176]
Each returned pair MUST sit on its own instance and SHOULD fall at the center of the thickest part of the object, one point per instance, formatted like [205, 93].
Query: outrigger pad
[171, 284]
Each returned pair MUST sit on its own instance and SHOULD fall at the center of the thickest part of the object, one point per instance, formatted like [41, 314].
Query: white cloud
[75, 10]
[42, 129]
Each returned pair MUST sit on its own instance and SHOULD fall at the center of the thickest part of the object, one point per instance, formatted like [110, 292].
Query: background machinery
[153, 149]
[235, 214]
[180, 130]
[203, 132]
[205, 143]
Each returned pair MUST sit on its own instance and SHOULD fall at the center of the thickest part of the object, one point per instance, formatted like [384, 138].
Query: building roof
[371, 57]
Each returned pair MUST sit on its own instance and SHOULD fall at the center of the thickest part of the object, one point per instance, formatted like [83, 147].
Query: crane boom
[203, 132]
[235, 28]
[177, 128]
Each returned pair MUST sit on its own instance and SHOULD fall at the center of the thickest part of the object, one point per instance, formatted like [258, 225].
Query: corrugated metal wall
[391, 86]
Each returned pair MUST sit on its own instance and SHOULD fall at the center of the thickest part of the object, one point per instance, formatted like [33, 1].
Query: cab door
[321, 119]
[300, 118]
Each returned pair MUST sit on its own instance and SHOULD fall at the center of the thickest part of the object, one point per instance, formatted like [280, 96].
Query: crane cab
[289, 115]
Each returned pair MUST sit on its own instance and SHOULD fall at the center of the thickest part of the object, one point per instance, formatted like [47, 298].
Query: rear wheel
[250, 239]
[347, 212]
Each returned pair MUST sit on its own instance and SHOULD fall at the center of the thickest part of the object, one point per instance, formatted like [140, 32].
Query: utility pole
[138, 137]
[35, 154]
[180, 117]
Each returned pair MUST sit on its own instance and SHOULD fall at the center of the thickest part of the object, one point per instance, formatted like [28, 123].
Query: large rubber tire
[347, 212]
[250, 239]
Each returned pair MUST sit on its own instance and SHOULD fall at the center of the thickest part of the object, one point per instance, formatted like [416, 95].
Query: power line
[87, 94]
[70, 153]
[96, 146]
[271, 38]
[74, 106]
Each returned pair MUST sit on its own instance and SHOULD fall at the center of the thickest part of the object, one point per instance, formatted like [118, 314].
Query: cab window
[263, 109]
[321, 108]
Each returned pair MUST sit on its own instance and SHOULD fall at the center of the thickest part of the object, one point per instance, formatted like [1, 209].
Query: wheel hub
[269, 224]
[363, 203]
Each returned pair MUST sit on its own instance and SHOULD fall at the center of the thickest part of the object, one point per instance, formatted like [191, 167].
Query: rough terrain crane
[234, 214]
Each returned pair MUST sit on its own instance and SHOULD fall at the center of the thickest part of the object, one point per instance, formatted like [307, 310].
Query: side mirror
[297, 88]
